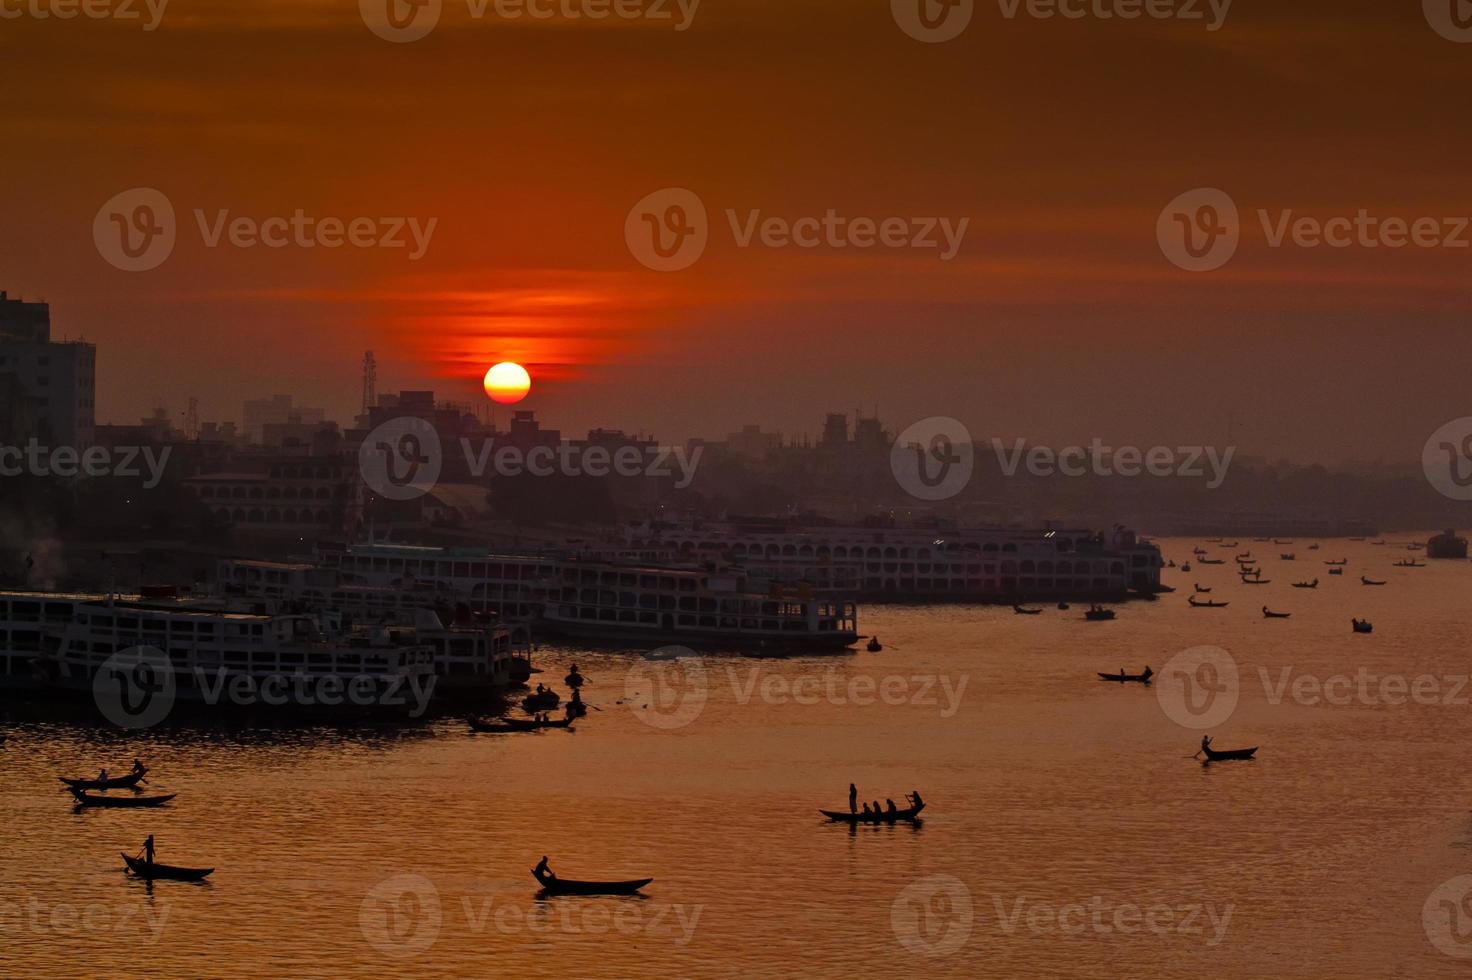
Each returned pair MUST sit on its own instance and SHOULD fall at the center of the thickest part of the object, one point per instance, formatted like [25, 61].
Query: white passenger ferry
[59, 641]
[919, 564]
[616, 602]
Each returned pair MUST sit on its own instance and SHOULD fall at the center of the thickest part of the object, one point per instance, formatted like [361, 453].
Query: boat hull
[165, 872]
[1212, 755]
[908, 815]
[564, 886]
[119, 782]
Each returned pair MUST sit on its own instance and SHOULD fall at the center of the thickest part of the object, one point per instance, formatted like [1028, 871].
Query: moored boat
[1208, 604]
[1098, 614]
[506, 726]
[1025, 611]
[1362, 626]
[155, 871]
[115, 802]
[1306, 585]
[1370, 581]
[1269, 614]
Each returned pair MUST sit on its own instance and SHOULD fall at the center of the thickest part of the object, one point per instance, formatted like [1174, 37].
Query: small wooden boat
[1369, 581]
[1201, 591]
[1306, 585]
[907, 815]
[111, 782]
[1256, 580]
[1213, 561]
[873, 646]
[89, 800]
[1213, 755]
[1213, 540]
[1410, 564]
[1269, 614]
[1208, 604]
[1336, 571]
[1313, 547]
[1024, 611]
[1342, 561]
[1063, 605]
[1288, 556]
[1381, 541]
[545, 701]
[1282, 541]
[502, 726]
[1229, 544]
[1122, 678]
[553, 885]
[1185, 566]
[155, 871]
[574, 680]
[1098, 615]
[1246, 555]
[1362, 626]
[1198, 550]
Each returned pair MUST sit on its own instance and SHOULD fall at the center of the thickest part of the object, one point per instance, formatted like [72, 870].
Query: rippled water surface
[1069, 831]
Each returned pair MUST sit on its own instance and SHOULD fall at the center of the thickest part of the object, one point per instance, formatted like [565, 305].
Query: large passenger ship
[615, 601]
[920, 564]
[218, 652]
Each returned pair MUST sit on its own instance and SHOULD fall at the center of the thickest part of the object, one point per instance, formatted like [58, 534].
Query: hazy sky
[528, 143]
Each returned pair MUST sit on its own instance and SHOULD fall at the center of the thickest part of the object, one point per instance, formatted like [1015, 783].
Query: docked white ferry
[922, 564]
[613, 601]
[59, 642]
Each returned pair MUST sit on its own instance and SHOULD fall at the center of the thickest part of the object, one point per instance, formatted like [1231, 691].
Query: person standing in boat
[148, 849]
[1205, 742]
[853, 798]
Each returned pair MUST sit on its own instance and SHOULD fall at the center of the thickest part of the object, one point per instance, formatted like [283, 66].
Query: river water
[1068, 830]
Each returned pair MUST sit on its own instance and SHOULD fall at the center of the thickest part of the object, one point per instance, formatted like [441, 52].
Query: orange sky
[529, 143]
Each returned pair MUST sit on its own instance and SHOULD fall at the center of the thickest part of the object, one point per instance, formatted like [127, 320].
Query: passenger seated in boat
[876, 811]
[889, 807]
[102, 776]
[138, 767]
[542, 872]
[866, 810]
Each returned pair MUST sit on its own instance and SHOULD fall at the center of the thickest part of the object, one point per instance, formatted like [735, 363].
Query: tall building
[47, 388]
[277, 410]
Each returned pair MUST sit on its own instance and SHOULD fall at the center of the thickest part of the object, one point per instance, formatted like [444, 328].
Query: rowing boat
[144, 869]
[1208, 604]
[86, 799]
[545, 701]
[1137, 678]
[1269, 614]
[909, 814]
[553, 885]
[111, 782]
[1369, 581]
[508, 725]
[1213, 755]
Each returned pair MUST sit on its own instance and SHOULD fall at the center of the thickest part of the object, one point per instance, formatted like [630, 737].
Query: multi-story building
[47, 388]
[277, 410]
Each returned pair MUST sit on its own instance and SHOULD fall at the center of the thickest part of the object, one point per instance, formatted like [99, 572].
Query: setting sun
[507, 383]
